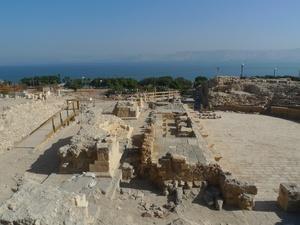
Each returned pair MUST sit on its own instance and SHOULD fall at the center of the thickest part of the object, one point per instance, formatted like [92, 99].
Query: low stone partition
[289, 197]
[285, 112]
[291, 113]
[183, 126]
[147, 147]
[241, 108]
[172, 168]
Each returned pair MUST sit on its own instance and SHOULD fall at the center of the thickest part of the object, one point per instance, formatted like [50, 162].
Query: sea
[142, 70]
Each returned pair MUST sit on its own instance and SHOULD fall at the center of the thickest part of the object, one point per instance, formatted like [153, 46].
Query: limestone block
[289, 197]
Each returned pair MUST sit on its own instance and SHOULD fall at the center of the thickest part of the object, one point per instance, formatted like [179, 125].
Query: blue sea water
[142, 70]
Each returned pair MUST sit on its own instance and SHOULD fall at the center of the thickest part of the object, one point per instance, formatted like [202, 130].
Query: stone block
[289, 197]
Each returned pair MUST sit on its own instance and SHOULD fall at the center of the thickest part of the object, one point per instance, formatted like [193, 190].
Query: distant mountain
[225, 56]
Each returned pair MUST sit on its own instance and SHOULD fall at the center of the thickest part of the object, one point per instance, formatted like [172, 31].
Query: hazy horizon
[59, 32]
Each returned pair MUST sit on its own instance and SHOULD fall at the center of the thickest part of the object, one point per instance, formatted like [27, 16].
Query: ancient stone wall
[108, 157]
[175, 168]
[183, 126]
[148, 142]
[242, 108]
[284, 112]
[96, 146]
[171, 168]
[127, 109]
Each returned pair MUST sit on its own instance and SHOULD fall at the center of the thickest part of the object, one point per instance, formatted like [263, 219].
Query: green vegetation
[199, 80]
[165, 83]
[41, 80]
[117, 85]
[127, 85]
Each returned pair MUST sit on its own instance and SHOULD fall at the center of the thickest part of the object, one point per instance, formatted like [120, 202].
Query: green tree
[199, 80]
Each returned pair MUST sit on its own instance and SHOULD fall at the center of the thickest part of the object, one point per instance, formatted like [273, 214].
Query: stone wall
[101, 156]
[148, 142]
[183, 126]
[285, 112]
[128, 109]
[171, 168]
[241, 108]
[108, 157]
[96, 146]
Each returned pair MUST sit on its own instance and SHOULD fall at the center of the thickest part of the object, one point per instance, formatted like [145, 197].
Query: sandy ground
[258, 148]
[40, 161]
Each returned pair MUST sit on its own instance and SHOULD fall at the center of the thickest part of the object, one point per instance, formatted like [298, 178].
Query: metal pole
[242, 70]
[275, 69]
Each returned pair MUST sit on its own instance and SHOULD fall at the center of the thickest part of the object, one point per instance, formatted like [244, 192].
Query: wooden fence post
[61, 120]
[53, 125]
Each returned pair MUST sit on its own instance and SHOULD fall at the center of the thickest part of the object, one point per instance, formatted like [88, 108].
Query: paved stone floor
[262, 149]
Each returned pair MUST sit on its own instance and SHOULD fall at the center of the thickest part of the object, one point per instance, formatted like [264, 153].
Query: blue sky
[86, 31]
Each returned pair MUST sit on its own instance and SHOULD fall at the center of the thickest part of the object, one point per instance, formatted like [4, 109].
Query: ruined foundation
[96, 147]
[186, 169]
[127, 109]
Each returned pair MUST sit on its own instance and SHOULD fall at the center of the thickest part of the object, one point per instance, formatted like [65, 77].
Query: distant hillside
[226, 56]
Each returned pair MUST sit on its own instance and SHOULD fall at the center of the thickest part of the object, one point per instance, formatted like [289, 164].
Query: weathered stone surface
[178, 195]
[226, 90]
[95, 147]
[41, 204]
[127, 109]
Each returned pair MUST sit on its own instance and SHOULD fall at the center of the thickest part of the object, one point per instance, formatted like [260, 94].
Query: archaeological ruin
[149, 158]
[127, 109]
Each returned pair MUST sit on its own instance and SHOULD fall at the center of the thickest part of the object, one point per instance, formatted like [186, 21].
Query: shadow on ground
[49, 162]
[285, 217]
[140, 184]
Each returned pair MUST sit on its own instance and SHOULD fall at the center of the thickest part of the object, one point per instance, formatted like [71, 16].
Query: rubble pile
[20, 120]
[96, 146]
[253, 91]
